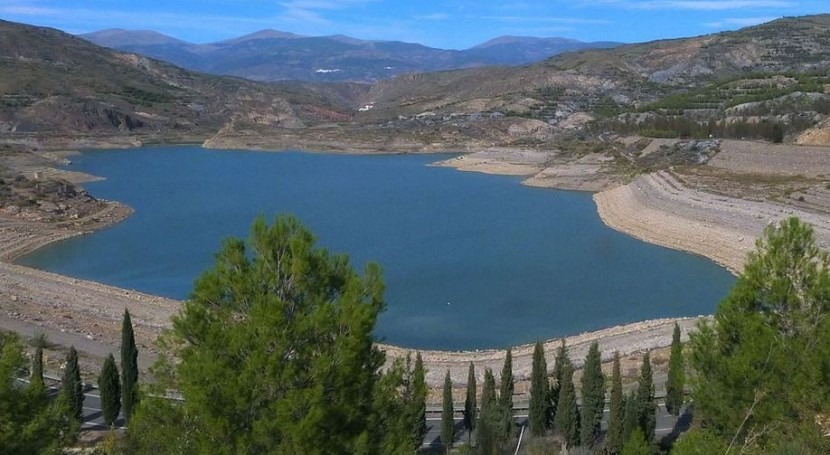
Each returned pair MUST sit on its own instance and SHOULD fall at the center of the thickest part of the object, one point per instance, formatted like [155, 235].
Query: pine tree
[109, 384]
[506, 396]
[538, 407]
[617, 414]
[129, 367]
[646, 405]
[677, 376]
[593, 396]
[447, 422]
[72, 388]
[566, 422]
[418, 403]
[470, 406]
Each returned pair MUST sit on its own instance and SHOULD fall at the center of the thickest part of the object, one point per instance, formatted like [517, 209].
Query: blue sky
[448, 24]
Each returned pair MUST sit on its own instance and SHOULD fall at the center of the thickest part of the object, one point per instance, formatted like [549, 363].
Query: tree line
[32, 422]
[275, 354]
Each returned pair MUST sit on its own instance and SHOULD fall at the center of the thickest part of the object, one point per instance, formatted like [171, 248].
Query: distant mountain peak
[115, 37]
[262, 34]
[512, 39]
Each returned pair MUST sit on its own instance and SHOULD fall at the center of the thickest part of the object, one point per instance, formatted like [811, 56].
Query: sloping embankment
[659, 209]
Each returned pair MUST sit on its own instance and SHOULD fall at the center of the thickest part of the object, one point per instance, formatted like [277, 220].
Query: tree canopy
[763, 366]
[539, 404]
[29, 422]
[276, 354]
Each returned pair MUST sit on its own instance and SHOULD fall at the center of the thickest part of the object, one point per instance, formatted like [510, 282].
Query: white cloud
[739, 22]
[433, 17]
[24, 8]
[696, 5]
[305, 11]
[546, 20]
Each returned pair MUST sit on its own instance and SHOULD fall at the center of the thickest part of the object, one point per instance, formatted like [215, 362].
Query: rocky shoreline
[660, 208]
[88, 314]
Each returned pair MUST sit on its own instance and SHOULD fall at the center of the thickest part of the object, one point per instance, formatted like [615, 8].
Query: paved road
[93, 417]
[666, 423]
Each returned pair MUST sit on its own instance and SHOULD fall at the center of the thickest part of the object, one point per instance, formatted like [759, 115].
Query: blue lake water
[470, 260]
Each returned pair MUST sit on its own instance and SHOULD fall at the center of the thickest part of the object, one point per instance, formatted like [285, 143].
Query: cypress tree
[470, 406]
[538, 407]
[566, 422]
[129, 367]
[487, 435]
[109, 384]
[418, 403]
[593, 396]
[447, 422]
[677, 377]
[39, 342]
[646, 405]
[617, 414]
[506, 396]
[630, 417]
[561, 362]
[72, 387]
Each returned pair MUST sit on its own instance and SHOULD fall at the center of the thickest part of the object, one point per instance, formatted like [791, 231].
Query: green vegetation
[561, 363]
[630, 415]
[129, 367]
[109, 385]
[762, 365]
[538, 408]
[636, 444]
[617, 409]
[416, 399]
[144, 97]
[566, 422]
[676, 381]
[72, 388]
[276, 355]
[488, 435]
[593, 396]
[447, 423]
[646, 404]
[470, 405]
[506, 397]
[39, 342]
[29, 422]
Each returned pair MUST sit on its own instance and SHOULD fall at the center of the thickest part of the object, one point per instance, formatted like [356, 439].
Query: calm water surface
[470, 260]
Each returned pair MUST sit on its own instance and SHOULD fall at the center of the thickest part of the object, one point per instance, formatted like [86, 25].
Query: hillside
[770, 72]
[58, 85]
[271, 55]
[763, 82]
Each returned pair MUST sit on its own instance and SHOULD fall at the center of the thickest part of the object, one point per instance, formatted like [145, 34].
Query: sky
[449, 24]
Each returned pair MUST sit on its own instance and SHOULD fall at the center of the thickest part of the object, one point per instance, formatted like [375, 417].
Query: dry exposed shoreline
[88, 315]
[655, 208]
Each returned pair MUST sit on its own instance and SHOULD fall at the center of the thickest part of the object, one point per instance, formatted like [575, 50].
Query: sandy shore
[658, 208]
[543, 169]
[88, 314]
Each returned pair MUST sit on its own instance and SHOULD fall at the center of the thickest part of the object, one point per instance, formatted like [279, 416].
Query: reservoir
[470, 261]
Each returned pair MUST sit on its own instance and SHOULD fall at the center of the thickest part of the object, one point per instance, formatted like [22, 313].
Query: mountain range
[270, 55]
[767, 81]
